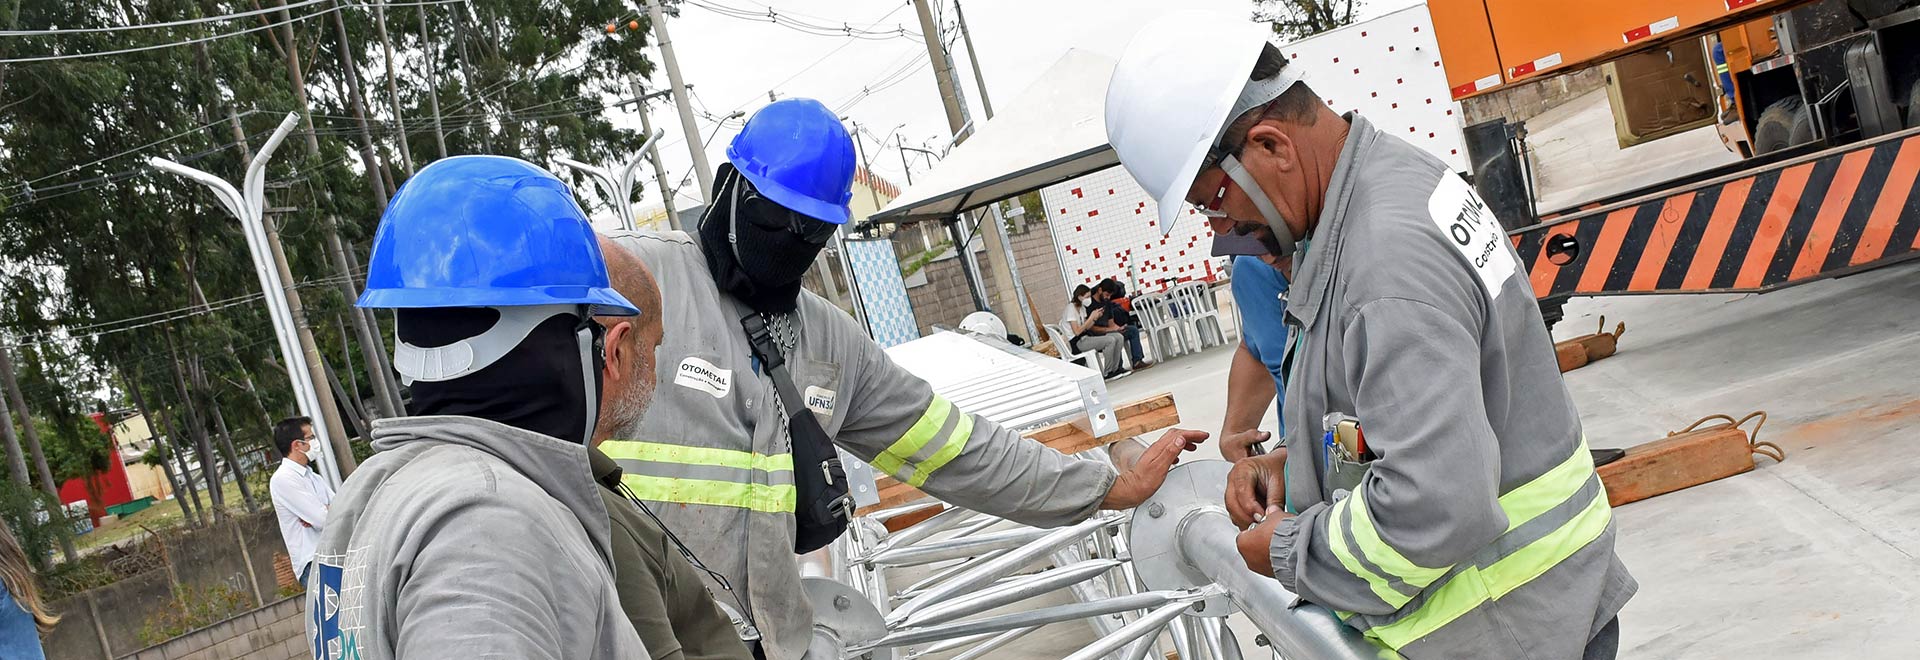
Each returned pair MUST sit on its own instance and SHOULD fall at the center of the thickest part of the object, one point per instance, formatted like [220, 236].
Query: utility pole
[942, 70]
[901, 145]
[701, 171]
[433, 84]
[653, 150]
[466, 73]
[973, 56]
[385, 389]
[393, 92]
[999, 247]
[867, 165]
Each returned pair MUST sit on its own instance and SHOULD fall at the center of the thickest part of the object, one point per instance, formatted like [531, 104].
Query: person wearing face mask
[475, 529]
[1435, 489]
[300, 494]
[759, 381]
[1078, 318]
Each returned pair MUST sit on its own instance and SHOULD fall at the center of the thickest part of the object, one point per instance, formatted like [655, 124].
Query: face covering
[749, 249]
[538, 385]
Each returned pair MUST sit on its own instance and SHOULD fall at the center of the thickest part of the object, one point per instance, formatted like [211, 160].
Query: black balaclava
[771, 262]
[537, 386]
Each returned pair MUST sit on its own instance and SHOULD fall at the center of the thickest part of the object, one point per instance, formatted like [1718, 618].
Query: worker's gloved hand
[1257, 488]
[1239, 445]
[1140, 481]
[1254, 544]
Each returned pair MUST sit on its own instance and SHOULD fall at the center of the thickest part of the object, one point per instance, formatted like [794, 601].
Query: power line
[123, 51]
[771, 15]
[145, 26]
[62, 335]
[817, 62]
[197, 40]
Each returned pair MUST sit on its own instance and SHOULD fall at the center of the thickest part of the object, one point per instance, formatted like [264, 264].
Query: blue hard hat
[797, 154]
[487, 231]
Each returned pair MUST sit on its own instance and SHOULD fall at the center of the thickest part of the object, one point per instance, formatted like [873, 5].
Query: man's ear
[1275, 144]
[619, 357]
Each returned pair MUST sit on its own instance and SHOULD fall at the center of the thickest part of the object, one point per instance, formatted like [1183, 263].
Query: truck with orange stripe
[1820, 98]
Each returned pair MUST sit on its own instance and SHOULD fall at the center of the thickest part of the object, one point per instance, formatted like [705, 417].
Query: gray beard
[624, 415]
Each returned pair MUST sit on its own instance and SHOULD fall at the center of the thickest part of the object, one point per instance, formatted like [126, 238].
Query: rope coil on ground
[1757, 446]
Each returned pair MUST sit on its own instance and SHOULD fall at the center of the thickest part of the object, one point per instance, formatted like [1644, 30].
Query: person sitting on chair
[1078, 318]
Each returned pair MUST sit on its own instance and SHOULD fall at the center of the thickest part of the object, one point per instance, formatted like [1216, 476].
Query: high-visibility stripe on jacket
[1547, 519]
[714, 451]
[1480, 529]
[702, 475]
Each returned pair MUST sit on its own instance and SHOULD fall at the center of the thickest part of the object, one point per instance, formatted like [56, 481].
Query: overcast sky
[732, 63]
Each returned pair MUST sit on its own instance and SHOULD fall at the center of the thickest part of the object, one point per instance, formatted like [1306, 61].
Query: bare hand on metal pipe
[1257, 488]
[1239, 445]
[1254, 543]
[1139, 482]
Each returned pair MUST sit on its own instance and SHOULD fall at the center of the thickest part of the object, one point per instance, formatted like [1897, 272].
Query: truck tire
[1783, 124]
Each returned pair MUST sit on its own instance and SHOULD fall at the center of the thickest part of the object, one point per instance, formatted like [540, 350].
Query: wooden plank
[1139, 417]
[1676, 462]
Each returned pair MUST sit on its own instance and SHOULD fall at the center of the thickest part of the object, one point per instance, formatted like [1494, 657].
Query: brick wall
[944, 299]
[274, 632]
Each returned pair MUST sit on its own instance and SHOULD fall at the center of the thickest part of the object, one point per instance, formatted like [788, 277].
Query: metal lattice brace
[1832, 213]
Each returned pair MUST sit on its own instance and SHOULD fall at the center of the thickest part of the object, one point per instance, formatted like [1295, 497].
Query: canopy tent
[1055, 130]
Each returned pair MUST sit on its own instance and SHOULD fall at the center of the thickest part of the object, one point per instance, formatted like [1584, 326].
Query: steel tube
[1011, 592]
[994, 644]
[1043, 616]
[1000, 566]
[940, 522]
[1147, 625]
[959, 548]
[930, 581]
[1307, 631]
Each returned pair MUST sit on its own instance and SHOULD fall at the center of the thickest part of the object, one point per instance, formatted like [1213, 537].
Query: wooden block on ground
[1572, 355]
[1678, 461]
[1139, 417]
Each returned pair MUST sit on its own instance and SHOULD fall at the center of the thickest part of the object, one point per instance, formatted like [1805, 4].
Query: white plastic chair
[1200, 314]
[1063, 343]
[1156, 321]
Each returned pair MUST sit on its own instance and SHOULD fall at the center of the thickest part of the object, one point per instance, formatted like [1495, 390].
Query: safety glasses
[1211, 207]
[767, 214]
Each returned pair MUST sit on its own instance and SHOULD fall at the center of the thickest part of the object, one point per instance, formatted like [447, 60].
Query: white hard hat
[1175, 89]
[984, 323]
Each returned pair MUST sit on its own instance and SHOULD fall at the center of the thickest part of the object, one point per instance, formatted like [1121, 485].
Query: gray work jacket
[467, 538]
[714, 451]
[1481, 531]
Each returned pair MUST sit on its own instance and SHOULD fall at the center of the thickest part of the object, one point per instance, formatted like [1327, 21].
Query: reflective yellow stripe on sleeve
[957, 441]
[897, 459]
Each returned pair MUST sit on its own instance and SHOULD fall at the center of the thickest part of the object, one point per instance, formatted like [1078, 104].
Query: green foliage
[925, 258]
[192, 609]
[1294, 19]
[90, 234]
[37, 522]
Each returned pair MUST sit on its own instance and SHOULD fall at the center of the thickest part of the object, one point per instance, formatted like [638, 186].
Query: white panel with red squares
[1106, 226]
[1388, 69]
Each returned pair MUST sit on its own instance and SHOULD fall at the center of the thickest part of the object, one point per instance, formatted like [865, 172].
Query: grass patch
[162, 516]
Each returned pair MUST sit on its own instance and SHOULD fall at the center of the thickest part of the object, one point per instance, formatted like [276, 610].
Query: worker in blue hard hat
[475, 530]
[760, 381]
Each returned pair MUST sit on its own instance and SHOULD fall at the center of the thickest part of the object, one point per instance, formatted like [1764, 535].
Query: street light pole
[248, 205]
[616, 183]
[701, 172]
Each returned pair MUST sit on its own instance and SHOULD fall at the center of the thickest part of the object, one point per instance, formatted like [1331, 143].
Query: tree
[102, 260]
[1294, 19]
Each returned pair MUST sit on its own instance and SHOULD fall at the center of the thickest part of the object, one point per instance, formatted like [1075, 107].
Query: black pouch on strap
[822, 505]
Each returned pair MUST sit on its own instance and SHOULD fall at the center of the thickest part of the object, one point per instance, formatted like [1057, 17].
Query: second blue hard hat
[487, 231]
[796, 153]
